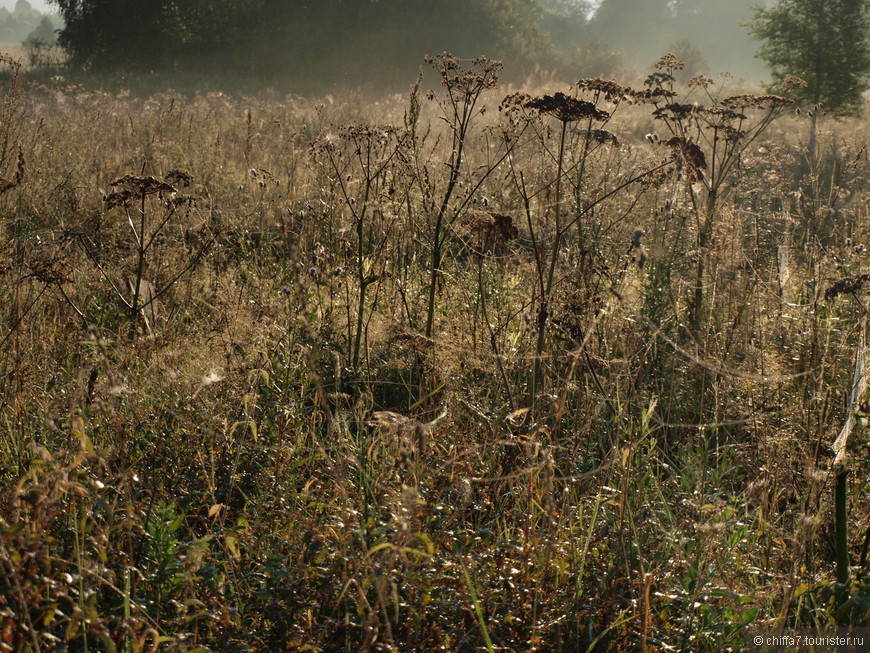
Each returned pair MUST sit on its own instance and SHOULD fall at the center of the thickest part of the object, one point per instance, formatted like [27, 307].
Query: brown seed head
[178, 177]
[669, 62]
[688, 154]
[792, 82]
[143, 186]
[612, 91]
[567, 108]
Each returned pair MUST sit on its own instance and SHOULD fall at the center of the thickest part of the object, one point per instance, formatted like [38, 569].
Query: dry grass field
[472, 368]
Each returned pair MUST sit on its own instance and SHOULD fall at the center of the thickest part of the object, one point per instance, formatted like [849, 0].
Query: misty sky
[39, 5]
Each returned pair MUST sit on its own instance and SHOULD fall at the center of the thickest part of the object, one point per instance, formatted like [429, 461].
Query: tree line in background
[25, 23]
[367, 43]
[300, 40]
[384, 40]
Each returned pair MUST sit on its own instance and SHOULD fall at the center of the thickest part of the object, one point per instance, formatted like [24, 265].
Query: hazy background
[333, 44]
[39, 5]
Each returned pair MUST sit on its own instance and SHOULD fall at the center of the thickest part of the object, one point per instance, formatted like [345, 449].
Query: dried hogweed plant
[707, 142]
[460, 106]
[570, 165]
[362, 164]
[136, 196]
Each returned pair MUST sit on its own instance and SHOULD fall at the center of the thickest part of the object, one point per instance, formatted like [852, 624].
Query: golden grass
[227, 478]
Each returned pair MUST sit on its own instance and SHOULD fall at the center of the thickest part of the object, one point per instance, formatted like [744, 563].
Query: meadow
[467, 368]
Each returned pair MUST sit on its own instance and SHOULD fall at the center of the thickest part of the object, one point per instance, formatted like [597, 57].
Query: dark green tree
[302, 42]
[145, 35]
[825, 42]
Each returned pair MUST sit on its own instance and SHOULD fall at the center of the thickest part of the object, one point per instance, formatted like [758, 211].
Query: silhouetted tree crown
[825, 42]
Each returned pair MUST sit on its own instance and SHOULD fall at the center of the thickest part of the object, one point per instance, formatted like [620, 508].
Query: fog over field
[330, 45]
[39, 5]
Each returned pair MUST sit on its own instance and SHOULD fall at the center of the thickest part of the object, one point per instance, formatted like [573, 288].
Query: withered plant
[135, 196]
[362, 160]
[707, 142]
[460, 105]
[547, 234]
[288, 462]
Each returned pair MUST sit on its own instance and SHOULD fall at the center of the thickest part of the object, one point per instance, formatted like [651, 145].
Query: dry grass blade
[856, 397]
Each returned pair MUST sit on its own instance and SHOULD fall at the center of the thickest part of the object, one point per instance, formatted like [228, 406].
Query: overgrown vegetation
[549, 368]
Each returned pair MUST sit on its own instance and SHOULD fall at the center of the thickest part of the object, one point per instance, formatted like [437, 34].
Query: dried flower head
[846, 286]
[482, 76]
[492, 229]
[367, 132]
[676, 111]
[659, 86]
[700, 81]
[654, 95]
[669, 62]
[792, 82]
[567, 108]
[749, 101]
[47, 272]
[514, 102]
[723, 114]
[599, 136]
[178, 177]
[143, 186]
[610, 90]
[688, 156]
[413, 341]
[118, 198]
